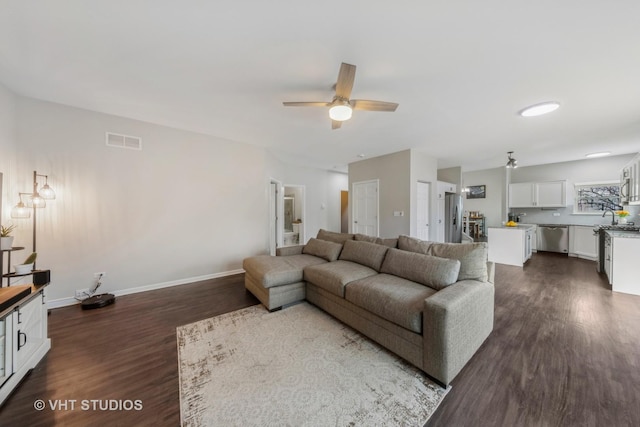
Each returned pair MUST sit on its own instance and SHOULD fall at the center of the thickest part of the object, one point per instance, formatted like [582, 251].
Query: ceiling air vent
[124, 141]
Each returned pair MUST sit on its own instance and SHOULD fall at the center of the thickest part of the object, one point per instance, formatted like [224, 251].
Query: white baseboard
[63, 302]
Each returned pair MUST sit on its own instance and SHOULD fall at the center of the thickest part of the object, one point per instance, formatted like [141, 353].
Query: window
[596, 197]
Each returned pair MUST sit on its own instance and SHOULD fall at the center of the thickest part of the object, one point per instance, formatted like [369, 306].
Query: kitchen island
[621, 261]
[511, 245]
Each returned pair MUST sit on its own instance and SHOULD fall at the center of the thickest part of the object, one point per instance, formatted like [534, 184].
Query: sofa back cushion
[365, 253]
[472, 257]
[392, 243]
[412, 244]
[322, 249]
[431, 271]
[331, 236]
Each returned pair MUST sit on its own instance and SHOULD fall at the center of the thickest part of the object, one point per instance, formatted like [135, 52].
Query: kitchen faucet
[613, 216]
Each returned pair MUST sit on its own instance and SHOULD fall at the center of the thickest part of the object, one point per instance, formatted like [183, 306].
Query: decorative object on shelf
[622, 215]
[35, 200]
[511, 163]
[476, 192]
[27, 266]
[6, 239]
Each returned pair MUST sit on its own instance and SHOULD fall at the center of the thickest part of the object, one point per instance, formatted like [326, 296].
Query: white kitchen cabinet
[583, 242]
[510, 245]
[623, 269]
[445, 187]
[551, 194]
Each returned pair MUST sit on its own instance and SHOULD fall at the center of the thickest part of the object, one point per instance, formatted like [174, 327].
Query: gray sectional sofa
[430, 303]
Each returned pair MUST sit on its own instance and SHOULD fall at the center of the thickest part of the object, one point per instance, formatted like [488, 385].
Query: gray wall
[398, 174]
[588, 170]
[393, 171]
[492, 207]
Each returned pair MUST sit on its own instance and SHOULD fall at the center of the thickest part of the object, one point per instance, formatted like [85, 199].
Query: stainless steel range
[600, 230]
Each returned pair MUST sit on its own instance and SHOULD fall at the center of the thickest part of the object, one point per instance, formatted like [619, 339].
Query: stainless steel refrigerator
[453, 218]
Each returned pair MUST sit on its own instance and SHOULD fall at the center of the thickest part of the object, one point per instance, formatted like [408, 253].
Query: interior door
[365, 208]
[422, 215]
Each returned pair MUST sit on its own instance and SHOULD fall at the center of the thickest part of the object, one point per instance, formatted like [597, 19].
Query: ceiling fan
[341, 108]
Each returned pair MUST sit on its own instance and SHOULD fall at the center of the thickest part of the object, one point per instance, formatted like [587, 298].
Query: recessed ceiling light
[361, 156]
[600, 154]
[540, 109]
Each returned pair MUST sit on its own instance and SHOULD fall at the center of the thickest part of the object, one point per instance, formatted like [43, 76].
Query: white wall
[322, 187]
[186, 207]
[7, 151]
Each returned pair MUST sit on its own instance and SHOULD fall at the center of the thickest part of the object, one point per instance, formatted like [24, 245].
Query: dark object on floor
[98, 301]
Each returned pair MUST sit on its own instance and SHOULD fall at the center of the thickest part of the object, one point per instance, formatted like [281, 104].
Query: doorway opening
[293, 224]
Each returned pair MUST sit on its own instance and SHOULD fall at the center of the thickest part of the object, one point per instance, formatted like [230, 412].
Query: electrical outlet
[97, 275]
[82, 293]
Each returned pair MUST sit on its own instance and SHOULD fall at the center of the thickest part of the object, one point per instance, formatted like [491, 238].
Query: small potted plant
[623, 216]
[6, 239]
[27, 266]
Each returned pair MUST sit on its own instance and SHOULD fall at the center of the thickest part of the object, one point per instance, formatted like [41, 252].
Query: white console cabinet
[23, 339]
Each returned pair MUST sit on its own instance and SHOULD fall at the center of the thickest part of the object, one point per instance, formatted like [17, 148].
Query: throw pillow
[472, 257]
[322, 249]
[437, 273]
[412, 244]
[331, 236]
[365, 253]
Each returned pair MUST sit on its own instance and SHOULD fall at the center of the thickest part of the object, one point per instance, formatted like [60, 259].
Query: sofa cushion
[331, 236]
[393, 298]
[392, 243]
[333, 276]
[365, 253]
[323, 249]
[428, 270]
[272, 271]
[413, 244]
[472, 257]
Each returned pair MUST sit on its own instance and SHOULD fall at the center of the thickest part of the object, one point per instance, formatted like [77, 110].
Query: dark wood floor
[565, 351]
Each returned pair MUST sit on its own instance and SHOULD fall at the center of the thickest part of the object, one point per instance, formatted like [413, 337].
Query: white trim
[63, 302]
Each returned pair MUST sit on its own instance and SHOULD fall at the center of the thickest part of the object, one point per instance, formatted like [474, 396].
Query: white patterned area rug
[297, 367]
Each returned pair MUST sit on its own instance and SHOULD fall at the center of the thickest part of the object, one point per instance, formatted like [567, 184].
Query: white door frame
[428, 210]
[353, 201]
[276, 207]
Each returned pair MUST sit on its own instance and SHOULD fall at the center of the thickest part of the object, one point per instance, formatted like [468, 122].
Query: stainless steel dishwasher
[553, 238]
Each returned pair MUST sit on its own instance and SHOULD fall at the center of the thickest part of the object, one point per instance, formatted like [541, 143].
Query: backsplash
[546, 216]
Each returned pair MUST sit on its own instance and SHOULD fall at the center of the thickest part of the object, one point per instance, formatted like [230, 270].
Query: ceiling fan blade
[335, 124]
[346, 76]
[363, 104]
[306, 104]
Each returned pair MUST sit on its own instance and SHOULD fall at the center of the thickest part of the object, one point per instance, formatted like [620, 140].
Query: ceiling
[459, 70]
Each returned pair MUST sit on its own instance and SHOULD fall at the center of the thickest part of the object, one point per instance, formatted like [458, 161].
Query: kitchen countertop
[625, 234]
[517, 227]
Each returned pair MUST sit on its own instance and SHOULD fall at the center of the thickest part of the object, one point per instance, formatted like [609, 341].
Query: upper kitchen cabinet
[551, 194]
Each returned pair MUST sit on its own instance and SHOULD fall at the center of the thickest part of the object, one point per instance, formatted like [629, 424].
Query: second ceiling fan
[341, 107]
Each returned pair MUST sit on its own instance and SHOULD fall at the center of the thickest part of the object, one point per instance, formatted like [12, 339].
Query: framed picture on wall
[477, 192]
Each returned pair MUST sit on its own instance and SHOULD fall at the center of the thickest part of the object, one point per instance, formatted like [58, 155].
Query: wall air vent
[124, 141]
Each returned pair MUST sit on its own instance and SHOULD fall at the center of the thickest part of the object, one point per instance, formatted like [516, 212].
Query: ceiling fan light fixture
[511, 163]
[539, 109]
[341, 111]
